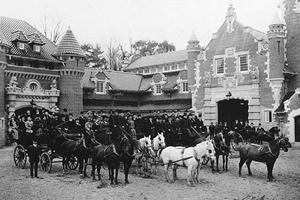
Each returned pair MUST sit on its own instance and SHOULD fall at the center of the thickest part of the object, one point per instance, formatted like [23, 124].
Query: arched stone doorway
[231, 110]
[297, 128]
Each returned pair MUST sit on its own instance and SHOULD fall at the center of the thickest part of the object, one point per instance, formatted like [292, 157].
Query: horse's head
[159, 141]
[123, 144]
[284, 143]
[205, 150]
[235, 136]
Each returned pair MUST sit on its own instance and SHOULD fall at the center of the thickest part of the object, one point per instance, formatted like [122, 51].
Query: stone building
[246, 75]
[34, 72]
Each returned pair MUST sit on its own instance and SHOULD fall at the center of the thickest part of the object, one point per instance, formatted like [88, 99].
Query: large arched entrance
[231, 110]
[297, 128]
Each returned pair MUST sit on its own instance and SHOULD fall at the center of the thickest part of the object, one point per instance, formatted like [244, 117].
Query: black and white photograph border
[150, 99]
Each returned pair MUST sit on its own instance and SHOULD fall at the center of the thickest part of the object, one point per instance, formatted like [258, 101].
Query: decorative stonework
[32, 91]
[194, 88]
[297, 6]
[276, 86]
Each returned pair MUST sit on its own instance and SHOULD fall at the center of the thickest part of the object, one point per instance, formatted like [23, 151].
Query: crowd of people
[175, 125]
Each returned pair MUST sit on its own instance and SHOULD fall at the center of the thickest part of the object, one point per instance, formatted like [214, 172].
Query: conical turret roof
[68, 45]
[276, 19]
[193, 37]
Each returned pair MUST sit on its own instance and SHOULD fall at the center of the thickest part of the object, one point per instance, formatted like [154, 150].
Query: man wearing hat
[33, 154]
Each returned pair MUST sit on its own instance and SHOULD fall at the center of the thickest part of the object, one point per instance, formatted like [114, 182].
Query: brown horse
[267, 153]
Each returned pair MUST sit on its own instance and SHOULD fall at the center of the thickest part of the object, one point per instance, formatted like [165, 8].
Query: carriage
[48, 156]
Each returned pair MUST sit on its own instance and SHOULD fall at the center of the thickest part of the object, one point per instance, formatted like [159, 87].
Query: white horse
[144, 151]
[191, 157]
[157, 146]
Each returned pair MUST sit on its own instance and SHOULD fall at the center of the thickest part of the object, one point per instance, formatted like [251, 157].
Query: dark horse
[120, 150]
[222, 148]
[66, 148]
[267, 153]
[111, 155]
[267, 136]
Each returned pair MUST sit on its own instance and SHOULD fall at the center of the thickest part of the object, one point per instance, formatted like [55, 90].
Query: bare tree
[53, 31]
[114, 57]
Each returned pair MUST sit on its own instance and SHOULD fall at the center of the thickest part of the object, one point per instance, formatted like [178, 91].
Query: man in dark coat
[33, 154]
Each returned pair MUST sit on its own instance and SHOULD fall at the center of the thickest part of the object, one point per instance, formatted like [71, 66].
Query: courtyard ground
[15, 183]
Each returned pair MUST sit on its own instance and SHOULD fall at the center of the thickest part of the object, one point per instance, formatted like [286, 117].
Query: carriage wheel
[20, 156]
[46, 162]
[72, 162]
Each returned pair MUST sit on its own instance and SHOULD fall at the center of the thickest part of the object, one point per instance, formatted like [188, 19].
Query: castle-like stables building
[241, 74]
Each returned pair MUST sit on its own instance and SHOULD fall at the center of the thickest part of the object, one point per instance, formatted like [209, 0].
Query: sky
[122, 21]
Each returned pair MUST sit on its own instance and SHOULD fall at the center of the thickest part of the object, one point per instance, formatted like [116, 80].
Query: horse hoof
[249, 174]
[190, 185]
[126, 182]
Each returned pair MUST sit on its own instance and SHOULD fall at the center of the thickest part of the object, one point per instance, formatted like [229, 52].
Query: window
[21, 45]
[278, 47]
[100, 87]
[185, 87]
[174, 67]
[243, 61]
[2, 123]
[181, 66]
[166, 68]
[140, 72]
[268, 116]
[153, 70]
[146, 71]
[157, 89]
[36, 48]
[220, 65]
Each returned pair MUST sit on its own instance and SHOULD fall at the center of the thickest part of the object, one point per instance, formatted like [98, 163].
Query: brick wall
[71, 96]
[292, 19]
[242, 40]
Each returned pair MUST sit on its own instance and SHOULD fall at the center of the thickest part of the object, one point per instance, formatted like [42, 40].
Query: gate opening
[231, 110]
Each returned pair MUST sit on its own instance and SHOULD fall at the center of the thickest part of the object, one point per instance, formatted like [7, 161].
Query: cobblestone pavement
[15, 183]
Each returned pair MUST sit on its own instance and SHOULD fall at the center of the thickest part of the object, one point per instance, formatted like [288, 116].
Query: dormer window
[100, 87]
[21, 45]
[184, 87]
[37, 48]
[157, 89]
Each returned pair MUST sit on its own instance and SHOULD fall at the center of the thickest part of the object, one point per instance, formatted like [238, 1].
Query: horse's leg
[111, 175]
[85, 165]
[80, 166]
[63, 164]
[175, 172]
[126, 171]
[93, 171]
[217, 162]
[98, 171]
[212, 165]
[226, 163]
[189, 176]
[166, 167]
[223, 159]
[242, 161]
[270, 166]
[116, 175]
[248, 162]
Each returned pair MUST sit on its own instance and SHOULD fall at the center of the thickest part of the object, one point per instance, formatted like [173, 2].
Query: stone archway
[31, 94]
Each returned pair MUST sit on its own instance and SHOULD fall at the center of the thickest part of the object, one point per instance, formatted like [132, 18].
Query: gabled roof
[123, 80]
[68, 45]
[280, 108]
[35, 39]
[158, 59]
[9, 26]
[18, 36]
